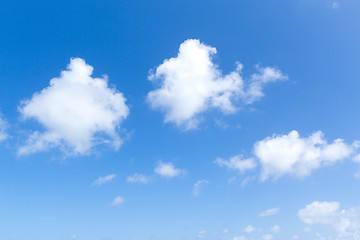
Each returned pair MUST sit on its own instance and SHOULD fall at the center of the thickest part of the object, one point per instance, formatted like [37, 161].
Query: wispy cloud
[269, 212]
[102, 180]
[117, 201]
[138, 178]
[197, 187]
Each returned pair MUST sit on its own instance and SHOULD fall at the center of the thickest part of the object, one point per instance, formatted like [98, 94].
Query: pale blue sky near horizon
[51, 191]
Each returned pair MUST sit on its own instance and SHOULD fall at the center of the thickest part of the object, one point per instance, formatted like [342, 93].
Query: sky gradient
[179, 120]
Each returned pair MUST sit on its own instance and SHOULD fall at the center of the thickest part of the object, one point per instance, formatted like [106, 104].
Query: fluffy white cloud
[117, 201]
[269, 212]
[191, 83]
[275, 229]
[138, 178]
[345, 222]
[3, 129]
[167, 170]
[105, 179]
[249, 229]
[237, 163]
[76, 110]
[291, 154]
[197, 187]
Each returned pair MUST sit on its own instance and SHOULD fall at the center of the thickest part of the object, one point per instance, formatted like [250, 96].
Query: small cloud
[168, 170]
[73, 237]
[3, 129]
[267, 237]
[117, 201]
[225, 231]
[240, 238]
[197, 187]
[335, 5]
[249, 229]
[237, 163]
[231, 180]
[138, 178]
[344, 221]
[297, 156]
[247, 180]
[222, 124]
[103, 180]
[269, 212]
[275, 229]
[202, 234]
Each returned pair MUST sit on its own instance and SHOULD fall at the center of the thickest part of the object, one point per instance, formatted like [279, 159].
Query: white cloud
[191, 83]
[249, 229]
[138, 178]
[269, 212]
[258, 80]
[105, 179]
[117, 201]
[3, 129]
[335, 5]
[240, 238]
[77, 112]
[293, 155]
[237, 163]
[267, 237]
[275, 229]
[202, 234]
[345, 222]
[168, 170]
[197, 187]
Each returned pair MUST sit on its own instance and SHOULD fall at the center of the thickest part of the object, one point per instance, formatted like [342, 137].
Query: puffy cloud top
[291, 154]
[76, 110]
[191, 83]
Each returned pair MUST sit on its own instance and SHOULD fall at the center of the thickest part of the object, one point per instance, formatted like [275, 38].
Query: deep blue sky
[50, 195]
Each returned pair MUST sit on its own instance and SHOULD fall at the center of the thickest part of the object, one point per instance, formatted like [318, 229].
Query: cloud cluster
[345, 222]
[291, 154]
[76, 111]
[191, 83]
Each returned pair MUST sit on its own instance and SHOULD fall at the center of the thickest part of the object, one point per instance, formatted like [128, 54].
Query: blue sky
[179, 120]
